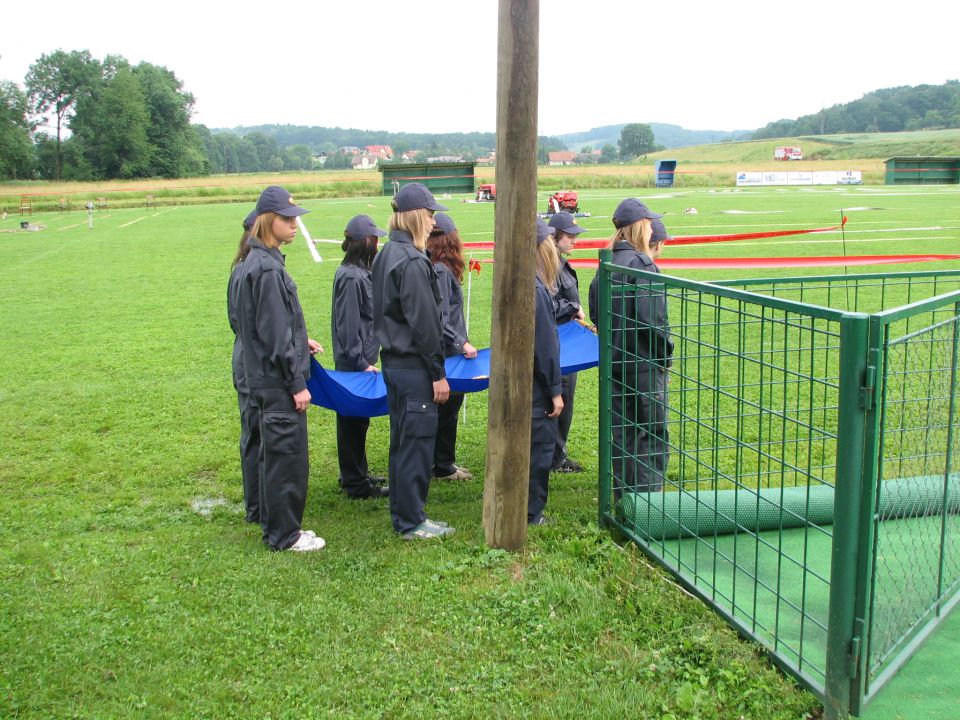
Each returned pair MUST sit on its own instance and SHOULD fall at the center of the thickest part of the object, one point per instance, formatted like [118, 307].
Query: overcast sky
[430, 65]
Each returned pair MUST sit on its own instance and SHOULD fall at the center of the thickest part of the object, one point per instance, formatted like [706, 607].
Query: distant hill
[923, 107]
[670, 136]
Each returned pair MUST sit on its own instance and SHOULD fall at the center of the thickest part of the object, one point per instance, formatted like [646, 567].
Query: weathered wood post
[511, 362]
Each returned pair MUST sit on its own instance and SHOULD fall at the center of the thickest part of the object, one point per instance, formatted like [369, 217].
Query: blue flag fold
[364, 394]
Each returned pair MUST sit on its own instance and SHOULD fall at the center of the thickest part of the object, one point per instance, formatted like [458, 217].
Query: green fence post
[844, 630]
[605, 437]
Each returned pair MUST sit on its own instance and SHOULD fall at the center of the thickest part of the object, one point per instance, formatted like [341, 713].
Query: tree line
[923, 107]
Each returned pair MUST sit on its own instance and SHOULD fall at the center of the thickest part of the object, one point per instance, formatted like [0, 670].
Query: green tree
[16, 149]
[608, 154]
[636, 139]
[56, 82]
[111, 127]
[175, 150]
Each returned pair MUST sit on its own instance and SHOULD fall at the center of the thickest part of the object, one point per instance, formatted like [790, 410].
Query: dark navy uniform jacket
[406, 307]
[272, 329]
[546, 350]
[640, 327]
[567, 300]
[451, 311]
[354, 344]
[233, 315]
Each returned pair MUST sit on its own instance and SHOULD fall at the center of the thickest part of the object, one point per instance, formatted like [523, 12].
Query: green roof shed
[439, 177]
[923, 170]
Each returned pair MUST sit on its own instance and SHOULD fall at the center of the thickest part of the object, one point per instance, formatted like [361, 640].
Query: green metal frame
[786, 391]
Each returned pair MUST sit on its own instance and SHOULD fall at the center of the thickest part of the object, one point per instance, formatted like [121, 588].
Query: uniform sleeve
[651, 310]
[452, 316]
[275, 331]
[546, 347]
[421, 309]
[593, 296]
[567, 301]
[347, 302]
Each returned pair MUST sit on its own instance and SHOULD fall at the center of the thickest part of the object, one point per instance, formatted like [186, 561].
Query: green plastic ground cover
[667, 515]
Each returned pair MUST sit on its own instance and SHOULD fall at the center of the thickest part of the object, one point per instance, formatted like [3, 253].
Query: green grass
[118, 599]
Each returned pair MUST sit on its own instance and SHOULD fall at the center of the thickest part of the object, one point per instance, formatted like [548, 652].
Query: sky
[430, 65]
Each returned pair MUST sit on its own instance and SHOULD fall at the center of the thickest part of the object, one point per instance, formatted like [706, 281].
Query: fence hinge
[853, 659]
[869, 387]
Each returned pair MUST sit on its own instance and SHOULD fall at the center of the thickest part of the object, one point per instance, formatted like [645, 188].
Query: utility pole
[511, 362]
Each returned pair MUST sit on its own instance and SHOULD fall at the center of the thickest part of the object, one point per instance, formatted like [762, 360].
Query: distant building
[489, 159]
[364, 162]
[384, 152]
[351, 150]
[445, 158]
[562, 157]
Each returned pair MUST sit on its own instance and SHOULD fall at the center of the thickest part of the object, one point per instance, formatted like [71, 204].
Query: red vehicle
[564, 200]
[487, 193]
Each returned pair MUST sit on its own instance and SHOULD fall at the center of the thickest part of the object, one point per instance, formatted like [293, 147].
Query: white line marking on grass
[70, 227]
[139, 219]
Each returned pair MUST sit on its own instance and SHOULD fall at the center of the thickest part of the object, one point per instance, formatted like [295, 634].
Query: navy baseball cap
[277, 200]
[659, 232]
[444, 224]
[630, 211]
[361, 227]
[543, 231]
[564, 222]
[415, 197]
[250, 219]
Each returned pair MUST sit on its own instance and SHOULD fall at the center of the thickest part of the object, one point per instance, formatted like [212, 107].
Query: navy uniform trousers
[445, 452]
[413, 430]
[250, 454]
[352, 454]
[284, 466]
[641, 447]
[544, 433]
[568, 385]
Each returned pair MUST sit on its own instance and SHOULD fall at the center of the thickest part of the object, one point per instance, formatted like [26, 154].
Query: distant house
[562, 157]
[351, 150]
[385, 152]
[409, 156]
[445, 158]
[489, 159]
[364, 162]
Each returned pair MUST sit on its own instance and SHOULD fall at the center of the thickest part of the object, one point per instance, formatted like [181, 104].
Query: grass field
[131, 587]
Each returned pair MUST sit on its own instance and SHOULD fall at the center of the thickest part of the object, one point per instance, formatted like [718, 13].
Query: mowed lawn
[130, 586]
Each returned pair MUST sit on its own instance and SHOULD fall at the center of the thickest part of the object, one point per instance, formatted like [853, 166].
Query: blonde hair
[262, 230]
[638, 234]
[548, 263]
[417, 223]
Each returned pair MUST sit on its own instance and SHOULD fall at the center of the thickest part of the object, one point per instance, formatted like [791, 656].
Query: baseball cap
[362, 227]
[564, 222]
[630, 211]
[543, 231]
[659, 232]
[444, 224]
[250, 219]
[414, 197]
[277, 200]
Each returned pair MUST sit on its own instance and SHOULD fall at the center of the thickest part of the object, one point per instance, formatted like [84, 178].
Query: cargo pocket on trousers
[281, 432]
[543, 430]
[420, 419]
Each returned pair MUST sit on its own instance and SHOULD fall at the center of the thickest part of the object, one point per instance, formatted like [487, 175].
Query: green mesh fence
[809, 432]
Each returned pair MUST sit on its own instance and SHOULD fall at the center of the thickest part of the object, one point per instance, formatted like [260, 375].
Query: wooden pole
[511, 361]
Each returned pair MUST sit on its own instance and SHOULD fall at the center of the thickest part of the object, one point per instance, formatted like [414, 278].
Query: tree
[56, 82]
[175, 148]
[636, 139]
[111, 127]
[16, 151]
[608, 154]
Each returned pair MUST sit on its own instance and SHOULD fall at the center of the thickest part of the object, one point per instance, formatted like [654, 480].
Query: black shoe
[540, 520]
[568, 466]
[376, 480]
[372, 492]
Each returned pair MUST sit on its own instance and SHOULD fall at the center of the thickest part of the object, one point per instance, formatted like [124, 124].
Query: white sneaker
[308, 542]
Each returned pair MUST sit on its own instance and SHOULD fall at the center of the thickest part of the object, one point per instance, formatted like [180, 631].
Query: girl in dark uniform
[249, 413]
[407, 323]
[547, 397]
[355, 348]
[446, 254]
[567, 307]
[642, 354]
[276, 359]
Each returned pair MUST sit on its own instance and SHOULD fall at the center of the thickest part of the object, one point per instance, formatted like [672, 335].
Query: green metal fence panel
[789, 503]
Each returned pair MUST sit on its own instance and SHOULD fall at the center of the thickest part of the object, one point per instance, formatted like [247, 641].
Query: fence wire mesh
[736, 494]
